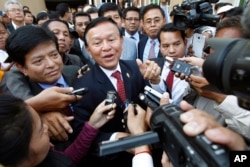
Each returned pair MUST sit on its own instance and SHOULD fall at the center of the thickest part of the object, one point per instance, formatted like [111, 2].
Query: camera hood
[227, 68]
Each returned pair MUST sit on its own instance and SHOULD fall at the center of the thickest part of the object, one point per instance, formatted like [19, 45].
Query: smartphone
[181, 67]
[198, 42]
[152, 91]
[110, 99]
[80, 91]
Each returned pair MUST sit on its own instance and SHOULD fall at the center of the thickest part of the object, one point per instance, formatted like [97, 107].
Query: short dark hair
[24, 39]
[16, 128]
[26, 11]
[149, 7]
[170, 27]
[130, 8]
[42, 15]
[96, 22]
[62, 8]
[92, 10]
[108, 7]
[80, 14]
[230, 22]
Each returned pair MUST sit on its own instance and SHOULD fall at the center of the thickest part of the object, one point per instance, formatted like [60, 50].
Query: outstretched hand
[149, 70]
[100, 117]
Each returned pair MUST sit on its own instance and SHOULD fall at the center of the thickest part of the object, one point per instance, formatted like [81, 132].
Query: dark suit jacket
[15, 83]
[10, 28]
[98, 84]
[141, 47]
[76, 50]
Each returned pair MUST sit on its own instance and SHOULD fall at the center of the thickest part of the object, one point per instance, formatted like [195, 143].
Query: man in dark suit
[153, 19]
[105, 47]
[36, 56]
[80, 21]
[15, 13]
[131, 19]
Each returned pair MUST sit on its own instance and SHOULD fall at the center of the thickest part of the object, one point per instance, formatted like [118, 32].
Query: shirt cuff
[142, 159]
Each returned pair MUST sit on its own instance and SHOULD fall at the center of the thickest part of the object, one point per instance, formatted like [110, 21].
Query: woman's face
[39, 144]
[3, 36]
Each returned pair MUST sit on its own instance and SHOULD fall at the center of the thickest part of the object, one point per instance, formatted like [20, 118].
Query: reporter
[22, 129]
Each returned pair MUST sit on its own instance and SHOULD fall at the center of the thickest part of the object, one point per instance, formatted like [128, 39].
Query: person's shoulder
[54, 158]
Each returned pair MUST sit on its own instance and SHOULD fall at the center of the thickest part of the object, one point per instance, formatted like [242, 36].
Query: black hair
[108, 7]
[149, 7]
[24, 39]
[96, 22]
[130, 8]
[62, 8]
[80, 14]
[42, 15]
[234, 12]
[92, 10]
[16, 128]
[170, 27]
[230, 22]
[53, 15]
[26, 11]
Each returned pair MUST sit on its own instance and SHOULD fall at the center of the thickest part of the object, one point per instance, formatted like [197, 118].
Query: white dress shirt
[236, 118]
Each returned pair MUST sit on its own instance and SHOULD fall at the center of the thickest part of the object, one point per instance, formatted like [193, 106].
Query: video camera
[195, 13]
[227, 68]
[183, 151]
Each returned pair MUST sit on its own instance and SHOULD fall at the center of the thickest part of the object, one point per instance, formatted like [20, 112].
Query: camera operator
[235, 117]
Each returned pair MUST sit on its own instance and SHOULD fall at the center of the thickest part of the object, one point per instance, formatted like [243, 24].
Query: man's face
[132, 22]
[172, 44]
[115, 16]
[105, 46]
[152, 22]
[62, 33]
[80, 24]
[15, 13]
[28, 18]
[43, 64]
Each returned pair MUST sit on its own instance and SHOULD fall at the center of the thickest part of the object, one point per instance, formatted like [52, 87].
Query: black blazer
[76, 50]
[15, 83]
[141, 47]
[10, 28]
[98, 84]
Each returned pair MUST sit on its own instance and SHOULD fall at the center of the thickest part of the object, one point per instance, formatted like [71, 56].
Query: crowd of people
[102, 49]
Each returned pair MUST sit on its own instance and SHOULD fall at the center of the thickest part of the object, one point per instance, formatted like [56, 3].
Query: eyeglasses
[131, 19]
[15, 10]
[155, 21]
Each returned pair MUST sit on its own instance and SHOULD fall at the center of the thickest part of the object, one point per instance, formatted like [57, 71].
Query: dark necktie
[170, 79]
[151, 54]
[66, 110]
[120, 86]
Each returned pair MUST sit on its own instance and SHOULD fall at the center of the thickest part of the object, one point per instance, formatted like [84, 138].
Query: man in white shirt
[131, 20]
[173, 45]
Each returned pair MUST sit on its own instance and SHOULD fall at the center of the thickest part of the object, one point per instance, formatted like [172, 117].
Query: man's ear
[22, 69]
